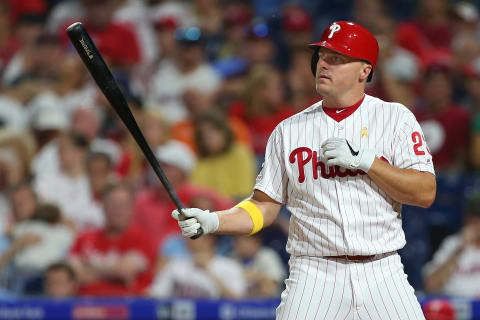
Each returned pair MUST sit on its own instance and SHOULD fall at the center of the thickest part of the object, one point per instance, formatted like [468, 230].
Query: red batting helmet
[350, 39]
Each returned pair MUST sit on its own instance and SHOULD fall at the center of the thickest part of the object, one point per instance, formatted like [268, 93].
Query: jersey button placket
[339, 133]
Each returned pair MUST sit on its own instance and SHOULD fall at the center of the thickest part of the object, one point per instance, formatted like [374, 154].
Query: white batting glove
[196, 218]
[340, 152]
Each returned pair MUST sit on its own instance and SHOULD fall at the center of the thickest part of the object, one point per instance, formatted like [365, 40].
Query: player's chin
[322, 87]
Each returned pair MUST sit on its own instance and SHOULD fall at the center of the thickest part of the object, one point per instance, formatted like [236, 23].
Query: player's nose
[322, 66]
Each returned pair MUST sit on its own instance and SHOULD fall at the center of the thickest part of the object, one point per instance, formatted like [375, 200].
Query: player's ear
[365, 70]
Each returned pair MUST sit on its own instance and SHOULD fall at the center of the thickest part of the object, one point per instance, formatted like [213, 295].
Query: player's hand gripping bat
[103, 77]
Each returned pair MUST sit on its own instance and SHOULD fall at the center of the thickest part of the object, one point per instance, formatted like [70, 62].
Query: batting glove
[196, 218]
[339, 152]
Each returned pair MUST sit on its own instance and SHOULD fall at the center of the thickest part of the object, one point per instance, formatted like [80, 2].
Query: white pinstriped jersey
[337, 211]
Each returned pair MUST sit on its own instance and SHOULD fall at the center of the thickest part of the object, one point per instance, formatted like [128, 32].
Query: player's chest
[303, 156]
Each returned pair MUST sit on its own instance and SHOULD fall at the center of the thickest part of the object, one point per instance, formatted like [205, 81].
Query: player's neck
[346, 100]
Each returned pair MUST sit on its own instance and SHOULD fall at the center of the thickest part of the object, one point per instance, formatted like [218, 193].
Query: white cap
[466, 11]
[47, 113]
[402, 65]
[176, 154]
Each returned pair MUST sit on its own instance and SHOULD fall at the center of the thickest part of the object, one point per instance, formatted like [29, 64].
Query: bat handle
[183, 217]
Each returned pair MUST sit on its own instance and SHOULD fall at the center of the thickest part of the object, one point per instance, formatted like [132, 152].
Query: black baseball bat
[100, 72]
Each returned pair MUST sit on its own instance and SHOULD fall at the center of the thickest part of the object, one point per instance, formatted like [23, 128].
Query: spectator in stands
[260, 48]
[136, 15]
[472, 101]
[236, 15]
[36, 243]
[117, 41]
[165, 36]
[208, 14]
[184, 131]
[176, 246]
[47, 122]
[444, 123]
[297, 26]
[209, 275]
[367, 12]
[234, 72]
[86, 122]
[8, 43]
[189, 71]
[13, 115]
[100, 176]
[429, 32]
[455, 267]
[59, 281]
[69, 188]
[55, 78]
[465, 17]
[27, 29]
[153, 205]
[117, 259]
[20, 7]
[466, 50]
[262, 266]
[41, 64]
[263, 106]
[23, 204]
[157, 133]
[397, 69]
[223, 165]
[15, 155]
[73, 85]
[301, 88]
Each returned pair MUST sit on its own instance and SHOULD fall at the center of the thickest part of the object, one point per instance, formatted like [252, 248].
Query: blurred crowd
[82, 212]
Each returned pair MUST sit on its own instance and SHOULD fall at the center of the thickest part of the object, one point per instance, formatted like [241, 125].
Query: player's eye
[331, 58]
[334, 60]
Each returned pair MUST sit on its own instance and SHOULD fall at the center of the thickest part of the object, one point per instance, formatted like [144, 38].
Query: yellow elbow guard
[255, 214]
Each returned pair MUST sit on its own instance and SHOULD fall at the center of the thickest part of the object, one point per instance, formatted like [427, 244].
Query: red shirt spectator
[116, 41]
[153, 209]
[421, 38]
[446, 126]
[119, 259]
[262, 125]
[19, 7]
[183, 131]
[263, 104]
[447, 133]
[431, 30]
[98, 245]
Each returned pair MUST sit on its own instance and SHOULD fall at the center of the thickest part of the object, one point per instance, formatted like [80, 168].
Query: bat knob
[198, 235]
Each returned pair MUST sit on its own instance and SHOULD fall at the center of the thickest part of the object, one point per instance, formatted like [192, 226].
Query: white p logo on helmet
[333, 28]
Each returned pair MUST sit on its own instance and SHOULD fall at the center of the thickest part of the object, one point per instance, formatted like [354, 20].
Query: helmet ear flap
[314, 61]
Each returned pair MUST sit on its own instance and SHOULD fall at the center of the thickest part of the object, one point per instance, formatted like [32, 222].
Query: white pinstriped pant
[330, 288]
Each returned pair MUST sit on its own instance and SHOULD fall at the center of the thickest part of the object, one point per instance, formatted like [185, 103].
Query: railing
[174, 309]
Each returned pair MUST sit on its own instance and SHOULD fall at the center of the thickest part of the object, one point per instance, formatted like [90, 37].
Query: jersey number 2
[417, 140]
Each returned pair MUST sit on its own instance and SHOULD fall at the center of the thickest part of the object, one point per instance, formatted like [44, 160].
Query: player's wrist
[210, 225]
[366, 162]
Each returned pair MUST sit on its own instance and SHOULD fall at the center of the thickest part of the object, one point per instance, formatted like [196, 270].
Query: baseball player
[343, 167]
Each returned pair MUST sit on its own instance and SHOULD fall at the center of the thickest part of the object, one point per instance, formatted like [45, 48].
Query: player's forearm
[237, 221]
[234, 221]
[404, 185]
